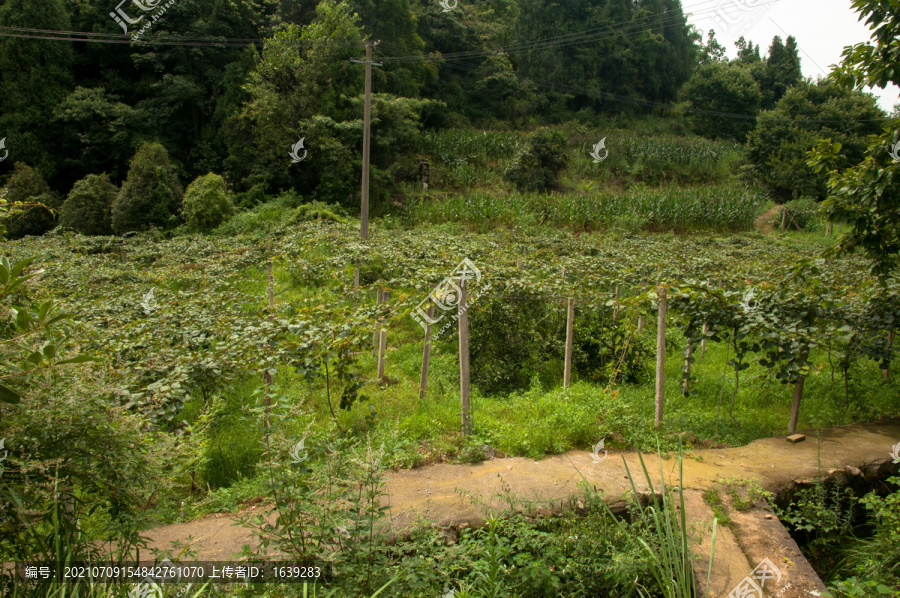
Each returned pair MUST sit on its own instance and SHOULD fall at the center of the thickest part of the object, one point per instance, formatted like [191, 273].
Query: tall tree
[637, 50]
[782, 71]
[35, 75]
[866, 194]
[712, 50]
[392, 23]
[726, 97]
[777, 147]
[301, 74]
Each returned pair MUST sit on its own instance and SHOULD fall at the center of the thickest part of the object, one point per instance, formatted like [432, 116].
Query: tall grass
[703, 207]
[670, 552]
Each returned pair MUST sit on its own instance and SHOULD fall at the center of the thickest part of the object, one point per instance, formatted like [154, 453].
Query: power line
[163, 40]
[456, 60]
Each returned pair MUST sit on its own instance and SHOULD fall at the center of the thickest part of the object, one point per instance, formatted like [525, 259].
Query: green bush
[871, 566]
[207, 203]
[252, 198]
[88, 208]
[777, 148]
[603, 352]
[512, 339]
[151, 195]
[723, 87]
[318, 210]
[538, 167]
[804, 212]
[27, 186]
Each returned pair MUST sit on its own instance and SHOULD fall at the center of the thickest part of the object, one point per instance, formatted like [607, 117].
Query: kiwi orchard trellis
[803, 311]
[782, 331]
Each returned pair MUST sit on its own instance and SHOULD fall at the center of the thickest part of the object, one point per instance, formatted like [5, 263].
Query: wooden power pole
[367, 124]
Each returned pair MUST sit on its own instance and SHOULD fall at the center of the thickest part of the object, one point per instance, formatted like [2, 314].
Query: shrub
[604, 352]
[27, 186]
[803, 212]
[88, 208]
[723, 87]
[252, 198]
[207, 203]
[318, 210]
[538, 167]
[777, 148]
[151, 195]
[512, 338]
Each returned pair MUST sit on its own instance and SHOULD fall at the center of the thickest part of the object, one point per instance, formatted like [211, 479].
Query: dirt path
[763, 221]
[430, 493]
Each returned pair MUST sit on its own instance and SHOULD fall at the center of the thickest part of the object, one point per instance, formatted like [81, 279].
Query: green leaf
[9, 396]
[43, 309]
[49, 351]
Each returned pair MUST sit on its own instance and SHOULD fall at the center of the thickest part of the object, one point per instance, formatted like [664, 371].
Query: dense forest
[229, 87]
[594, 229]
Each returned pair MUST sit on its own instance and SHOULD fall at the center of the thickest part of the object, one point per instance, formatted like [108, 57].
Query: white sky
[822, 29]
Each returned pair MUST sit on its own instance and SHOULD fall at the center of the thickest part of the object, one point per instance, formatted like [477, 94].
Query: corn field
[703, 207]
[453, 147]
[628, 146]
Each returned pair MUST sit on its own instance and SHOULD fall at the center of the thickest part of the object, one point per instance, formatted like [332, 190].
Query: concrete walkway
[442, 494]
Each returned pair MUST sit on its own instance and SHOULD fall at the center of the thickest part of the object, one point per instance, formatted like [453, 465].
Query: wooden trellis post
[687, 367]
[426, 354]
[885, 373]
[705, 326]
[382, 340]
[661, 357]
[570, 324]
[795, 406]
[464, 359]
[379, 299]
[267, 377]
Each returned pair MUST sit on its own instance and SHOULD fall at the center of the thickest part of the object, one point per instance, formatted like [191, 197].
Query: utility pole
[367, 124]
